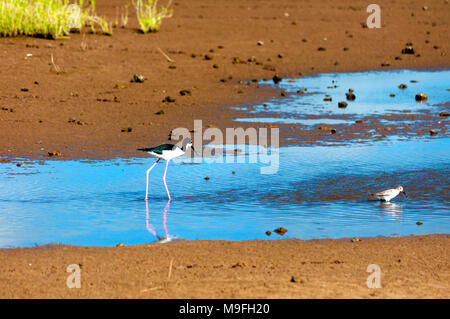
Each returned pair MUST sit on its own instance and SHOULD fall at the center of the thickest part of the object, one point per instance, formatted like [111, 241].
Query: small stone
[233, 172]
[126, 130]
[321, 49]
[402, 86]
[24, 89]
[185, 92]
[260, 43]
[208, 57]
[55, 153]
[137, 78]
[276, 79]
[355, 240]
[350, 96]
[120, 245]
[168, 99]
[408, 50]
[207, 178]
[215, 66]
[296, 280]
[419, 223]
[268, 233]
[327, 99]
[433, 132]
[283, 93]
[444, 114]
[280, 231]
[342, 104]
[421, 97]
[392, 95]
[160, 112]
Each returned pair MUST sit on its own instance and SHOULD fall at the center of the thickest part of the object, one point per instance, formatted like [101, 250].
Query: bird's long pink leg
[165, 218]
[148, 172]
[164, 179]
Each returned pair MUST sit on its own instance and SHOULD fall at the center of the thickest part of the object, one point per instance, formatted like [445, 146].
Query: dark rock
[419, 223]
[321, 49]
[276, 79]
[444, 114]
[208, 57]
[160, 112]
[268, 233]
[433, 132]
[402, 86]
[350, 96]
[185, 92]
[408, 49]
[168, 99]
[206, 178]
[55, 153]
[127, 130]
[280, 231]
[342, 104]
[421, 97]
[137, 78]
[327, 99]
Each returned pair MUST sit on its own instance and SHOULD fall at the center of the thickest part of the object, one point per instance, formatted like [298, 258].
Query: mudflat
[410, 267]
[92, 110]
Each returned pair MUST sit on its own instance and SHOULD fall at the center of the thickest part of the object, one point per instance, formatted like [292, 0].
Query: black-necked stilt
[166, 152]
[389, 194]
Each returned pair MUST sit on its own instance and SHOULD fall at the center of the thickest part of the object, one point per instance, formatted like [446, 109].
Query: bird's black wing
[158, 149]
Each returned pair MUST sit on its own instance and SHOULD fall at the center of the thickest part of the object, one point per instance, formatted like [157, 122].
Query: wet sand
[411, 267]
[81, 114]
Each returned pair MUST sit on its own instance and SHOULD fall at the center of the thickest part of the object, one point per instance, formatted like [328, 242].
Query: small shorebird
[389, 194]
[166, 152]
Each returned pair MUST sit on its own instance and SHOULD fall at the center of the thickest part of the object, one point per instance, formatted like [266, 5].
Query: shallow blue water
[318, 192]
[372, 91]
[315, 191]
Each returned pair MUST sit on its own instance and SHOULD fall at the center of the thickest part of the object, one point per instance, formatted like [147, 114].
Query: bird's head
[400, 189]
[187, 142]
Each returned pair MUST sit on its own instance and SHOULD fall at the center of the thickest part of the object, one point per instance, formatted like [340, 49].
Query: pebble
[280, 231]
[402, 86]
[137, 78]
[185, 92]
[55, 153]
[421, 97]
[433, 132]
[355, 240]
[127, 130]
[268, 233]
[120, 245]
[276, 79]
[168, 99]
[207, 178]
[419, 223]
[260, 43]
[160, 112]
[444, 114]
[342, 104]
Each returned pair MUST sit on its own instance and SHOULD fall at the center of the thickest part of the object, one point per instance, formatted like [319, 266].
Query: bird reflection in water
[392, 209]
[151, 229]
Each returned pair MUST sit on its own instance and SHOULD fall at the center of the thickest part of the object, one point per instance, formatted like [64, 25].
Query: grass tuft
[149, 16]
[51, 19]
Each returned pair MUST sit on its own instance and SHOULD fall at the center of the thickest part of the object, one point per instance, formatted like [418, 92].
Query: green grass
[149, 16]
[48, 18]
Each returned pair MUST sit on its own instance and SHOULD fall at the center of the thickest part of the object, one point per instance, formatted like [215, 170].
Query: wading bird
[389, 194]
[166, 152]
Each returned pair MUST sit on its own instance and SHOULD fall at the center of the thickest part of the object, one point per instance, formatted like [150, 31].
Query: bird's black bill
[404, 193]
